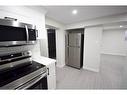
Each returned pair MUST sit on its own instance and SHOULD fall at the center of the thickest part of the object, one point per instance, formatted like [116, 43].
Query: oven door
[41, 84]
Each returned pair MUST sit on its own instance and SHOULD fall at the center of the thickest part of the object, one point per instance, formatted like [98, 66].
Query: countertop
[44, 60]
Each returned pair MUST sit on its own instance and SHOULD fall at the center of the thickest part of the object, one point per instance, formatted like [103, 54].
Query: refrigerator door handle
[66, 40]
[77, 41]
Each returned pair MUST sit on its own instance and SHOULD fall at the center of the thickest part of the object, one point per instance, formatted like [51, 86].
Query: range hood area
[20, 68]
[13, 33]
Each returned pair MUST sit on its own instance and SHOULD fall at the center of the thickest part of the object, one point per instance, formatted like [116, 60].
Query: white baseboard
[117, 54]
[60, 66]
[91, 69]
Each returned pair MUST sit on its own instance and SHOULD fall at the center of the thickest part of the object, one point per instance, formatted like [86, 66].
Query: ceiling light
[121, 26]
[74, 12]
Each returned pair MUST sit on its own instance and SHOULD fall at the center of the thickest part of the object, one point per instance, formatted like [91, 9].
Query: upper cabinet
[27, 15]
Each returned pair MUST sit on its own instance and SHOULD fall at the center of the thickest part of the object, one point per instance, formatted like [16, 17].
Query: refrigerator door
[66, 39]
[74, 57]
[74, 39]
[66, 55]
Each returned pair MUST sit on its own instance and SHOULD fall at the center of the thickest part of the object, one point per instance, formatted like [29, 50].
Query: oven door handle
[31, 82]
[27, 33]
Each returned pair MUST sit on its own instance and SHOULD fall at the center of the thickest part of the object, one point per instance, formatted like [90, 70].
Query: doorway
[51, 43]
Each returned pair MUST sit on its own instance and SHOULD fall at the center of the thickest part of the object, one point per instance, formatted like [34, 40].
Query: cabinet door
[51, 76]
[51, 69]
[51, 82]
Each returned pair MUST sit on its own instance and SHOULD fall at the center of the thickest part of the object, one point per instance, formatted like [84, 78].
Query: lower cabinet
[51, 78]
[51, 82]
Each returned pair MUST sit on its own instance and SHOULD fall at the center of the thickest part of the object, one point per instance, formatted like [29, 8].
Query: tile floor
[112, 75]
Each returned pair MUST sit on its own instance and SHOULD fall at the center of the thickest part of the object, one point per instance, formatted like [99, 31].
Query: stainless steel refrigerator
[74, 40]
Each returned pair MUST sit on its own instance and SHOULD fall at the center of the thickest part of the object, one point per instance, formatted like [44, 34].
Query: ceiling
[64, 14]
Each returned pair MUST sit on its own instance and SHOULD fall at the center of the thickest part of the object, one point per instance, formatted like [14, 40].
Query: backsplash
[7, 50]
[40, 48]
[36, 49]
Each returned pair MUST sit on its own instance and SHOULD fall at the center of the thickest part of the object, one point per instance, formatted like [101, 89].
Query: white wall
[60, 41]
[92, 48]
[27, 15]
[113, 42]
[124, 79]
[93, 22]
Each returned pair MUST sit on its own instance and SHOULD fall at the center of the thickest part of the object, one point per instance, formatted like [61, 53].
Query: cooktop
[12, 75]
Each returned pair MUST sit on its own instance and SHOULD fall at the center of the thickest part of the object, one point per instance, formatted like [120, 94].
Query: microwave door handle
[36, 32]
[27, 34]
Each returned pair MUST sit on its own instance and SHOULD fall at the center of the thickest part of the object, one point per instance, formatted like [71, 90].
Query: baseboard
[60, 66]
[91, 69]
[117, 54]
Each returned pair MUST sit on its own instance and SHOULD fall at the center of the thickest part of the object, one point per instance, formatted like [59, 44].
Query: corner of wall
[60, 65]
[60, 39]
[91, 69]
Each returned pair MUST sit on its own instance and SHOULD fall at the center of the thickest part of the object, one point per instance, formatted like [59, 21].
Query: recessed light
[121, 26]
[74, 12]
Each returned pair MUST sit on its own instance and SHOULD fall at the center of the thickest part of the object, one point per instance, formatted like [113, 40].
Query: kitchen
[104, 43]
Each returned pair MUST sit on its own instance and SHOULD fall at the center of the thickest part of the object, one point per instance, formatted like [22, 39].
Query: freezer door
[74, 57]
[74, 39]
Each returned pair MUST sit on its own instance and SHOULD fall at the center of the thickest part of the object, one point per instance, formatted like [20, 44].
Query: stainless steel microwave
[16, 33]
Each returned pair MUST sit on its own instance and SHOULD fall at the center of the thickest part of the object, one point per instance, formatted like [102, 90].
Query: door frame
[48, 42]
[51, 27]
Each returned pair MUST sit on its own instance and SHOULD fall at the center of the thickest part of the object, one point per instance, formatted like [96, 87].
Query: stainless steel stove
[18, 71]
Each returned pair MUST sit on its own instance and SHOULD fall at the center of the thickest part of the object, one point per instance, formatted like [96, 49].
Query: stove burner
[16, 74]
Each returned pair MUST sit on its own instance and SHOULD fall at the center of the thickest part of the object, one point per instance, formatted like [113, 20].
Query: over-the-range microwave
[16, 33]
